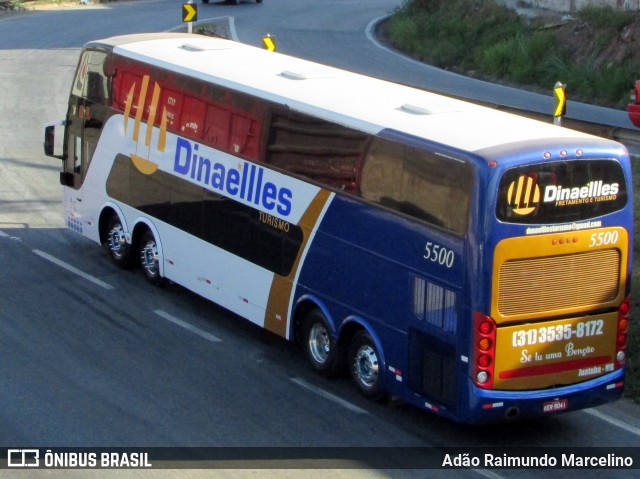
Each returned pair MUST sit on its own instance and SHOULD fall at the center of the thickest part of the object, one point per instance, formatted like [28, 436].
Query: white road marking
[73, 269]
[488, 474]
[614, 421]
[370, 34]
[327, 395]
[187, 326]
[3, 234]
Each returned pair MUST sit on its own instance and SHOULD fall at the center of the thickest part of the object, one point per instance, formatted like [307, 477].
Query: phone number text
[560, 332]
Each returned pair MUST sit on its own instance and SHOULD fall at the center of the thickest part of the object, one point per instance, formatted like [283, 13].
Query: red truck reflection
[634, 107]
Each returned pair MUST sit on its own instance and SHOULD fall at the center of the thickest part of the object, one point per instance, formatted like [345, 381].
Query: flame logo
[144, 165]
[523, 195]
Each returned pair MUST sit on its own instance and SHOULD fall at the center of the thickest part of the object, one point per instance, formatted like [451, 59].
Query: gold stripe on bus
[127, 108]
[141, 100]
[152, 113]
[276, 316]
[162, 139]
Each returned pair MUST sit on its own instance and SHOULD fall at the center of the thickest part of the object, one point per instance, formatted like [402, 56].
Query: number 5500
[438, 254]
[599, 239]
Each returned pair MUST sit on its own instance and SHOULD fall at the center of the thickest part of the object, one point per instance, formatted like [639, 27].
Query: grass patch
[495, 43]
[606, 18]
[446, 33]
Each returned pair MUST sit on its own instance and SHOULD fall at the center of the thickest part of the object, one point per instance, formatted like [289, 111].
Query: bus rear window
[561, 192]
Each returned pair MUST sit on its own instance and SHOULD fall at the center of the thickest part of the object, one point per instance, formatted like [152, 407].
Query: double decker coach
[471, 262]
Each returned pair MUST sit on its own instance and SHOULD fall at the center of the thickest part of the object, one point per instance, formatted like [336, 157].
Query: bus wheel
[319, 346]
[150, 258]
[364, 365]
[117, 245]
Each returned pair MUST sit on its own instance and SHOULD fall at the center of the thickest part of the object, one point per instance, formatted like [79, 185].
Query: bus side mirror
[50, 140]
[66, 179]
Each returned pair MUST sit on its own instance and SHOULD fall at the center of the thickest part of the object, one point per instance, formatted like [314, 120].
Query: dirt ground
[582, 38]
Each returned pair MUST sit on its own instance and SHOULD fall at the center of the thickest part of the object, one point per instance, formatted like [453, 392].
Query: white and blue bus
[473, 263]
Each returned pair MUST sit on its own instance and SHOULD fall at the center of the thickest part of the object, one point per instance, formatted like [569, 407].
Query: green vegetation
[481, 38]
[31, 4]
[607, 18]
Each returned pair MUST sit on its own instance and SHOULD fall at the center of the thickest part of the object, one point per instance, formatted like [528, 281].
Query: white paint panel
[114, 141]
[361, 102]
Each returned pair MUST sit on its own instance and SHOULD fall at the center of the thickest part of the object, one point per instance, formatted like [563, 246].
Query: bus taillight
[623, 329]
[484, 350]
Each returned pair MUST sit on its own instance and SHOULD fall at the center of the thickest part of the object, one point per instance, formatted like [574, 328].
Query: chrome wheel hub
[149, 258]
[366, 366]
[117, 240]
[319, 343]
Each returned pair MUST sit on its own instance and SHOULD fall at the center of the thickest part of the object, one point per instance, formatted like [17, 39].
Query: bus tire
[116, 243]
[320, 347]
[150, 258]
[364, 365]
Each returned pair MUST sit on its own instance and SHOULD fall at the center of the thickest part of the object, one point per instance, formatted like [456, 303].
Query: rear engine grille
[540, 285]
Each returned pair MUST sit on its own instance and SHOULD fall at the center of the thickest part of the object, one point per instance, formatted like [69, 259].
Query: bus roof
[351, 99]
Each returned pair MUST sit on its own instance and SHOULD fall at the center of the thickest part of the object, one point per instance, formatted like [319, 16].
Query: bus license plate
[555, 406]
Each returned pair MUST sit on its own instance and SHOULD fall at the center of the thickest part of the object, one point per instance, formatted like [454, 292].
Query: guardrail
[627, 136]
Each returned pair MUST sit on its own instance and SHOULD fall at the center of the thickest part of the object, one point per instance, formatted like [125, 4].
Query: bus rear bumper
[495, 406]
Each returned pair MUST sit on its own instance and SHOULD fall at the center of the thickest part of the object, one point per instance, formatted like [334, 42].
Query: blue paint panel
[365, 263]
[362, 256]
[367, 269]
[513, 404]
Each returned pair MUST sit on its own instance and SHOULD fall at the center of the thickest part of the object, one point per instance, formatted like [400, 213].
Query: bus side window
[96, 88]
[87, 111]
[381, 175]
[77, 155]
[246, 125]
[125, 82]
[245, 136]
[419, 183]
[232, 132]
[436, 189]
[171, 102]
[192, 119]
[217, 127]
[325, 152]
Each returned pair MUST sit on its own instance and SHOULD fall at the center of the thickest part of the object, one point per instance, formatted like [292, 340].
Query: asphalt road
[93, 356]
